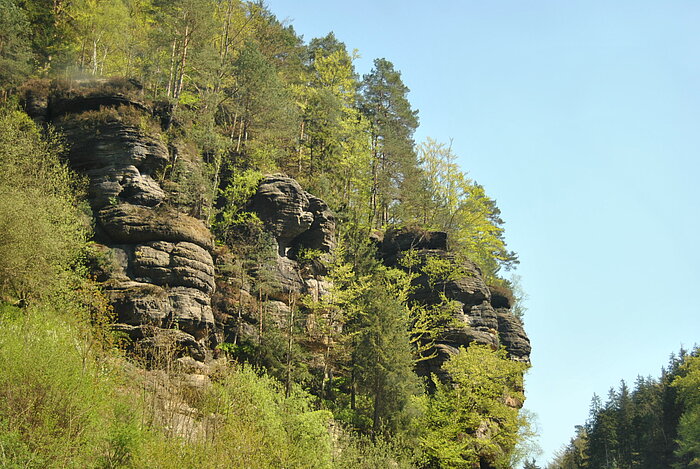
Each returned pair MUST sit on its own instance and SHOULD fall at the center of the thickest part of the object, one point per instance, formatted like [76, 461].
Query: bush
[42, 231]
[269, 429]
[475, 419]
[57, 402]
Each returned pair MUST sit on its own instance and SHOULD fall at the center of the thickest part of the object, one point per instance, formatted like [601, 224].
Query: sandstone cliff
[165, 274]
[480, 313]
[158, 270]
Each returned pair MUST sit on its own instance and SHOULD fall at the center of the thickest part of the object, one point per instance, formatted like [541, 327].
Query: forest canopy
[256, 97]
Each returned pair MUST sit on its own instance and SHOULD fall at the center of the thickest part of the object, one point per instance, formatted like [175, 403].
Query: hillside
[227, 250]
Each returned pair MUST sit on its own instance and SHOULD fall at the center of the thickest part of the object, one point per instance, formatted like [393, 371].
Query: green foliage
[67, 404]
[475, 418]
[191, 185]
[15, 50]
[441, 270]
[49, 34]
[244, 97]
[427, 324]
[688, 386]
[252, 96]
[652, 425]
[382, 358]
[241, 187]
[58, 405]
[267, 429]
[266, 107]
[447, 200]
[392, 124]
[42, 229]
[232, 221]
[334, 153]
[99, 42]
[307, 256]
[361, 452]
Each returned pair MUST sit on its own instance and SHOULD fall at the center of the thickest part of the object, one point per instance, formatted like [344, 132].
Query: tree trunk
[183, 60]
[353, 384]
[215, 185]
[375, 183]
[301, 139]
[94, 56]
[377, 402]
[240, 135]
[290, 331]
[223, 53]
[171, 77]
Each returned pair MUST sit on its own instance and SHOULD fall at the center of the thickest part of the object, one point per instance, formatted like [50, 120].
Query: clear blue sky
[582, 119]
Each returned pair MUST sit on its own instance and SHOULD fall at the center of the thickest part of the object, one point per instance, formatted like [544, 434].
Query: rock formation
[297, 219]
[481, 314]
[161, 272]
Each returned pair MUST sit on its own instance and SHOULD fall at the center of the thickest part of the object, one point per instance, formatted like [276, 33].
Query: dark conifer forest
[653, 424]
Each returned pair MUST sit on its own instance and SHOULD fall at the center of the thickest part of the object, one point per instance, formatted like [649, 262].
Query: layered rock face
[297, 219]
[481, 314]
[161, 274]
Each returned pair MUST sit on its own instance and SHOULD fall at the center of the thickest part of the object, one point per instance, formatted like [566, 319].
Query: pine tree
[382, 359]
[393, 122]
[688, 386]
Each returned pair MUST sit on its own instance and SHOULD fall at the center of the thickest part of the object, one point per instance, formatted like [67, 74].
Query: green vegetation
[475, 417]
[66, 403]
[43, 231]
[253, 97]
[653, 425]
[687, 384]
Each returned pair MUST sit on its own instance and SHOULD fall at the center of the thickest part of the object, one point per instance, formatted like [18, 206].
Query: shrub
[57, 402]
[42, 230]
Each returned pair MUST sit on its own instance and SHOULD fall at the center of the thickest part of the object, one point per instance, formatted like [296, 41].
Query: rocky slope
[295, 221]
[163, 274]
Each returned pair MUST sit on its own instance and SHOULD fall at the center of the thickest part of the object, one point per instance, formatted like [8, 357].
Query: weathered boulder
[119, 144]
[180, 264]
[294, 217]
[397, 240]
[464, 282]
[188, 309]
[513, 336]
[297, 220]
[160, 345]
[320, 234]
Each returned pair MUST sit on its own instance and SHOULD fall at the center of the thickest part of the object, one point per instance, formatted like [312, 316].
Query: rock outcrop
[161, 274]
[480, 314]
[271, 290]
[297, 219]
[510, 328]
